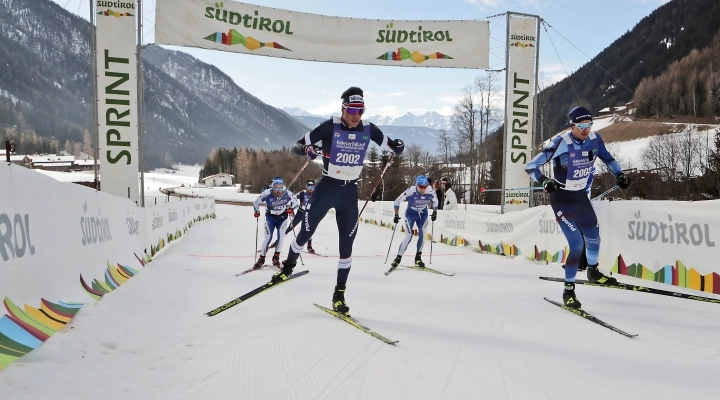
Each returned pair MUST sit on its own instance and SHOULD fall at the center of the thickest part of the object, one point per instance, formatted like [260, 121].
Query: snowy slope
[485, 333]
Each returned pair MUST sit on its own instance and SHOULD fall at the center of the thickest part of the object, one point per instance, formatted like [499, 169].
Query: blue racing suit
[573, 167]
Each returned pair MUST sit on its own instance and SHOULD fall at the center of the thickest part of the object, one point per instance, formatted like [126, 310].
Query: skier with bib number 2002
[345, 141]
[573, 154]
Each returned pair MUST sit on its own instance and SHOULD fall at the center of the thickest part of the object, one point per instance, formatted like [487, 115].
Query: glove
[290, 212]
[549, 185]
[257, 214]
[623, 180]
[397, 145]
[373, 197]
[433, 216]
[312, 151]
[396, 219]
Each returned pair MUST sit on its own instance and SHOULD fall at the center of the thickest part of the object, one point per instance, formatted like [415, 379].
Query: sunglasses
[354, 110]
[422, 186]
[311, 187]
[278, 189]
[584, 126]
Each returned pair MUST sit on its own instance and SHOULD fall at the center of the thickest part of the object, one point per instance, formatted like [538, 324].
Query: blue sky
[579, 30]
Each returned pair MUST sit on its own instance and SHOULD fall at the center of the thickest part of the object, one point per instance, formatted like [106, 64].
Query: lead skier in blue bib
[418, 197]
[345, 141]
[573, 154]
[279, 203]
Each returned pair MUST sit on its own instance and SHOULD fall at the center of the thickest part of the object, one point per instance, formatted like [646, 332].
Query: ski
[314, 253]
[427, 269]
[255, 269]
[582, 313]
[390, 270]
[250, 294]
[352, 321]
[638, 288]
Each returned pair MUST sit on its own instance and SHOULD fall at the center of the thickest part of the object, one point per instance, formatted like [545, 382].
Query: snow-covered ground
[485, 333]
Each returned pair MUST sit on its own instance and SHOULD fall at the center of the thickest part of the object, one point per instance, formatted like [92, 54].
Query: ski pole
[483, 190]
[299, 172]
[377, 182]
[605, 193]
[257, 226]
[391, 240]
[432, 235]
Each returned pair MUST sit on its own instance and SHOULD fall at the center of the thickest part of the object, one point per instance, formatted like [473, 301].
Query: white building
[220, 179]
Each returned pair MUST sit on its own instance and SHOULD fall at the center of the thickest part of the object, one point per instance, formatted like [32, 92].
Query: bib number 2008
[346, 158]
[581, 173]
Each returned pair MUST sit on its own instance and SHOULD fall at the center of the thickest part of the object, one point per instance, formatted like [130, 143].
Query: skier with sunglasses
[303, 197]
[573, 154]
[418, 197]
[279, 203]
[344, 141]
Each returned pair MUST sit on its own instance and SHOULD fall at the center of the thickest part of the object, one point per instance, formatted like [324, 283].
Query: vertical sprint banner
[117, 97]
[247, 28]
[519, 110]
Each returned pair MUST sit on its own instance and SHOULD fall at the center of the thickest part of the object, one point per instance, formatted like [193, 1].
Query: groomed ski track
[486, 333]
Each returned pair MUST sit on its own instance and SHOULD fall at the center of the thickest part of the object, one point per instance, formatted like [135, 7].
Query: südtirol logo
[682, 233]
[115, 4]
[248, 21]
[390, 35]
[521, 40]
[15, 236]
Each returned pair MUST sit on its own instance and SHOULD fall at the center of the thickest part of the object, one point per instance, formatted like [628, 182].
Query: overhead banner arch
[250, 29]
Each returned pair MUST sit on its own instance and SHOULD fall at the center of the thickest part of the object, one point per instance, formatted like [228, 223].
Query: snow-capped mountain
[429, 119]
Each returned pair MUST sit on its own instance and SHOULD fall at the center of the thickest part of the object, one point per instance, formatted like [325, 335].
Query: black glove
[549, 185]
[623, 180]
[373, 197]
[312, 151]
[396, 219]
[433, 216]
[397, 145]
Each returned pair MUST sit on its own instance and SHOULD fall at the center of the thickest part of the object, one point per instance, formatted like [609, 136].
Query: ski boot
[287, 269]
[569, 298]
[418, 261]
[310, 248]
[396, 261]
[595, 276]
[338, 300]
[260, 262]
[276, 259]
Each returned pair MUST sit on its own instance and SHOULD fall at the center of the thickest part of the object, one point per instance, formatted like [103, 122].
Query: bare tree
[466, 122]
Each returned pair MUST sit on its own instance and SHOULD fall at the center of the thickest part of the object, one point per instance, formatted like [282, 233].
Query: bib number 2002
[581, 173]
[346, 158]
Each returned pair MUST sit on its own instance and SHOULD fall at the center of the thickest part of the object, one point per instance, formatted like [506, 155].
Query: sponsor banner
[117, 97]
[522, 53]
[251, 29]
[671, 242]
[51, 233]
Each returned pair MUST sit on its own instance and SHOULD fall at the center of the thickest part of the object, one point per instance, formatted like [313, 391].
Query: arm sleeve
[294, 203]
[401, 198]
[435, 201]
[381, 139]
[259, 200]
[315, 135]
[607, 158]
[553, 149]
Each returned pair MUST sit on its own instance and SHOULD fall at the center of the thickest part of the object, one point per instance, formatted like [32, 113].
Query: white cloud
[450, 99]
[388, 111]
[370, 95]
[446, 111]
[331, 108]
[484, 3]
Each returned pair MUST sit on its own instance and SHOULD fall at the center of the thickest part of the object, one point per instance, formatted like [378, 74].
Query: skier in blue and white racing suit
[416, 214]
[573, 154]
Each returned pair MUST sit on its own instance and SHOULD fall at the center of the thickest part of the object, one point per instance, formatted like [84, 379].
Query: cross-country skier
[418, 197]
[573, 154]
[279, 203]
[303, 197]
[345, 141]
